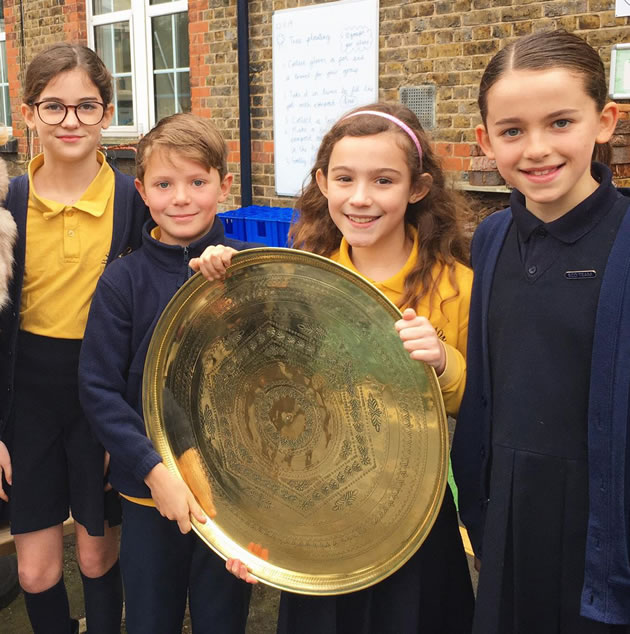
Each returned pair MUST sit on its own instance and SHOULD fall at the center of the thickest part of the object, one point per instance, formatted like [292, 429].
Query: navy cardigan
[127, 304]
[606, 590]
[130, 214]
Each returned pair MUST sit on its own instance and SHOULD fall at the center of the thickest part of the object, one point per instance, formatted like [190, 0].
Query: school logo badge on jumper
[580, 275]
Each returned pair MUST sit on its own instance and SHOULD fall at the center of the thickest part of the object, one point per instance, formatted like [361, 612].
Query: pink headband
[401, 124]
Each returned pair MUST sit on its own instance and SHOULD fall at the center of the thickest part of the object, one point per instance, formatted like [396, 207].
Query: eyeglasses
[54, 112]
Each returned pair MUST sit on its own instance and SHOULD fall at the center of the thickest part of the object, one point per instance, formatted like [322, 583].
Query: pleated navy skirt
[431, 594]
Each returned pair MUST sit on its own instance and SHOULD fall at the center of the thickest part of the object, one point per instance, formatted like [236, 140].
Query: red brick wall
[75, 21]
[445, 42]
[621, 148]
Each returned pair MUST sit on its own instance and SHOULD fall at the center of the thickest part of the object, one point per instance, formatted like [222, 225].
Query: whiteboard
[622, 7]
[325, 62]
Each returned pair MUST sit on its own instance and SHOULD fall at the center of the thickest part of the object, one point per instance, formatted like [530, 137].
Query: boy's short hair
[189, 136]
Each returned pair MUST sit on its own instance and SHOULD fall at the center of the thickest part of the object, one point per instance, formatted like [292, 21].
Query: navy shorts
[57, 461]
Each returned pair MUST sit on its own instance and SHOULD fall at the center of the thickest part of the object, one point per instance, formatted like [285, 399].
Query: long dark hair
[546, 50]
[438, 217]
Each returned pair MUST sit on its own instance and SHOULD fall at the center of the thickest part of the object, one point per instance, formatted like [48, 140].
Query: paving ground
[262, 612]
[13, 618]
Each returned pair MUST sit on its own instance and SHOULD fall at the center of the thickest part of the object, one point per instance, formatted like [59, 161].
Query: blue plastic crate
[282, 225]
[259, 226]
[267, 225]
[234, 224]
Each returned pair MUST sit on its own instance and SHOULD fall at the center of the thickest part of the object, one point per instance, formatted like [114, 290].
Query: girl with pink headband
[377, 203]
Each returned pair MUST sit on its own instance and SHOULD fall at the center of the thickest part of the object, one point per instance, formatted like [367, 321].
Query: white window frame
[8, 128]
[139, 18]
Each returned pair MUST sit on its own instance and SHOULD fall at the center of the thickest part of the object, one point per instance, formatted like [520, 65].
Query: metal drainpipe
[243, 102]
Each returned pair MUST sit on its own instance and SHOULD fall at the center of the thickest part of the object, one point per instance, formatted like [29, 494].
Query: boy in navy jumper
[182, 176]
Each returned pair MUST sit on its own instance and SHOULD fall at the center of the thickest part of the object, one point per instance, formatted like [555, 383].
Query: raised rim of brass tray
[210, 533]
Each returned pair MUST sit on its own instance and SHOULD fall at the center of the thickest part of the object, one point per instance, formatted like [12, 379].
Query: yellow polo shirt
[66, 251]
[449, 320]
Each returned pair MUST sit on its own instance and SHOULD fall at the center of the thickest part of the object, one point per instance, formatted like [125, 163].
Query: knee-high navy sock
[103, 601]
[49, 611]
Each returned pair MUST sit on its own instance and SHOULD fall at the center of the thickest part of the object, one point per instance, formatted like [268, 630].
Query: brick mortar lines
[447, 42]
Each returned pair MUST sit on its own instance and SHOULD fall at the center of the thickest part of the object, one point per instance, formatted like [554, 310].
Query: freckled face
[182, 196]
[541, 129]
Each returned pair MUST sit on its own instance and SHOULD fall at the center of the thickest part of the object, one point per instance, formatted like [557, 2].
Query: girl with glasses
[74, 214]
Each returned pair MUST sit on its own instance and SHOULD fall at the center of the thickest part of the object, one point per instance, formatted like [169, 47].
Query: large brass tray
[321, 439]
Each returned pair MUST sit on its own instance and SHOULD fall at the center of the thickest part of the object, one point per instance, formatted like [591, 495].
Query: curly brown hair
[438, 217]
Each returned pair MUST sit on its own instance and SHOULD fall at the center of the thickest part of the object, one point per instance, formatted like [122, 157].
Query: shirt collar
[396, 283]
[576, 223]
[169, 253]
[99, 191]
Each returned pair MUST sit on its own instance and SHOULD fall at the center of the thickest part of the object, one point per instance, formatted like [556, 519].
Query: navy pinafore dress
[540, 330]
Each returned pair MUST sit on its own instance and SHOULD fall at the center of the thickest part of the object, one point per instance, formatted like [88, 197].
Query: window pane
[181, 40]
[183, 88]
[170, 31]
[2, 16]
[172, 94]
[123, 101]
[163, 42]
[113, 47]
[164, 95]
[3, 64]
[160, 1]
[109, 6]
[5, 104]
[170, 64]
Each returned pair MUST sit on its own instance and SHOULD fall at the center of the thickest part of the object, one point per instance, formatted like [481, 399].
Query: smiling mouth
[545, 171]
[362, 220]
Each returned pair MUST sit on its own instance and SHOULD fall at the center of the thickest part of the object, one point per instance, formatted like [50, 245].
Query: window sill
[10, 147]
[489, 189]
[114, 152]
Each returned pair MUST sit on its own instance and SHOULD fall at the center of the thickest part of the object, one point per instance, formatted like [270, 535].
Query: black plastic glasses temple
[66, 107]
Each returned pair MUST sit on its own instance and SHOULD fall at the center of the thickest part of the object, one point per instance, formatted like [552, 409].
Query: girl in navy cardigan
[540, 449]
